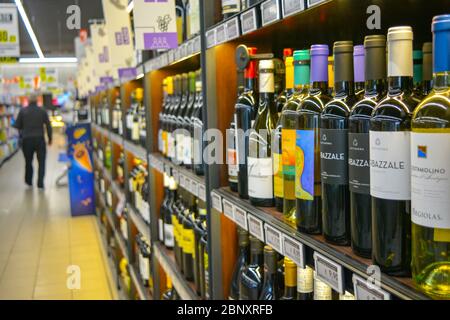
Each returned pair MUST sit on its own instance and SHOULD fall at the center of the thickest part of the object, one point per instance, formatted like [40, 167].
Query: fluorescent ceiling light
[140, 75]
[49, 60]
[25, 20]
[130, 6]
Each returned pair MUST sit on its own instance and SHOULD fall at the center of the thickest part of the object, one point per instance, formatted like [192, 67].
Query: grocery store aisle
[39, 239]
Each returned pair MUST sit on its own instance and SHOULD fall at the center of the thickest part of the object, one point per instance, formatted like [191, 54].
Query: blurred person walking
[31, 121]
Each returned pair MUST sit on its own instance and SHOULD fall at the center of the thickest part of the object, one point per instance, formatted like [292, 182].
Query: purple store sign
[160, 40]
[126, 74]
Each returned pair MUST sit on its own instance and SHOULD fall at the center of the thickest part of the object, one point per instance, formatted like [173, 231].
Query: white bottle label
[161, 229]
[430, 179]
[305, 280]
[180, 146]
[115, 122]
[129, 121]
[187, 149]
[390, 175]
[260, 178]
[322, 291]
[168, 235]
[135, 131]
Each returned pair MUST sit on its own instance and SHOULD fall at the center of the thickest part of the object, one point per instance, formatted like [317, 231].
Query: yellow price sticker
[4, 36]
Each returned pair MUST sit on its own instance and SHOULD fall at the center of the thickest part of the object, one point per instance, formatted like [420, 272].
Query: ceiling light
[25, 20]
[49, 60]
[139, 76]
[130, 6]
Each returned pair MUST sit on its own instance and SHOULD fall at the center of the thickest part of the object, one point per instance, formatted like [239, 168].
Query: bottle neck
[374, 87]
[321, 86]
[441, 80]
[344, 88]
[250, 84]
[256, 258]
[400, 84]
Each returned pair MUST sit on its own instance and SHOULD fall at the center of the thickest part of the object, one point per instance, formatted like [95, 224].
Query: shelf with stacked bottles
[112, 198]
[9, 138]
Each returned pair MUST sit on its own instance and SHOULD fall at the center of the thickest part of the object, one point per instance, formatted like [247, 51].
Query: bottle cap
[400, 33]
[441, 43]
[266, 64]
[287, 52]
[417, 55]
[343, 61]
[266, 76]
[250, 71]
[301, 55]
[400, 62]
[427, 50]
[358, 63]
[319, 63]
[375, 57]
[343, 47]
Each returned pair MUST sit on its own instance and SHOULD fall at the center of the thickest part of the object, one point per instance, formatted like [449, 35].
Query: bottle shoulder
[435, 108]
[314, 103]
[395, 107]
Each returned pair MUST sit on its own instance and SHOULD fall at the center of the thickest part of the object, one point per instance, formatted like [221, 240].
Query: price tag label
[190, 47]
[290, 7]
[184, 50]
[194, 188]
[240, 217]
[167, 170]
[176, 175]
[228, 209]
[329, 272]
[211, 38]
[256, 227]
[187, 184]
[364, 290]
[171, 55]
[294, 250]
[314, 2]
[182, 181]
[274, 238]
[270, 12]
[197, 44]
[232, 27]
[202, 192]
[248, 21]
[221, 35]
[177, 54]
[216, 201]
[151, 161]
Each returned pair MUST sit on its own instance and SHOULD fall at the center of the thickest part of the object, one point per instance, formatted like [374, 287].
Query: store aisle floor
[39, 239]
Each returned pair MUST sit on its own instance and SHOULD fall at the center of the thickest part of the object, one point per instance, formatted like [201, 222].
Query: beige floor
[40, 243]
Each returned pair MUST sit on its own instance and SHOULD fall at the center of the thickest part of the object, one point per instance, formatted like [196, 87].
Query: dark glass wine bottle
[189, 240]
[277, 150]
[430, 175]
[290, 280]
[163, 208]
[175, 109]
[358, 70]
[288, 122]
[179, 124]
[307, 158]
[199, 230]
[252, 276]
[390, 175]
[260, 167]
[187, 122]
[245, 112]
[270, 289]
[241, 262]
[305, 283]
[427, 68]
[168, 223]
[334, 148]
[197, 121]
[358, 142]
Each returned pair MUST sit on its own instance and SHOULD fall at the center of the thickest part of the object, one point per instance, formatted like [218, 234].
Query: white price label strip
[194, 188]
[187, 184]
[364, 290]
[221, 35]
[232, 28]
[176, 176]
[211, 38]
[294, 250]
[256, 227]
[202, 192]
[274, 238]
[248, 21]
[270, 12]
[329, 272]
[197, 44]
[228, 209]
[182, 181]
[314, 2]
[291, 7]
[216, 201]
[240, 217]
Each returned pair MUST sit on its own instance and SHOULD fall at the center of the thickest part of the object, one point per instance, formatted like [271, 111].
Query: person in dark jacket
[31, 121]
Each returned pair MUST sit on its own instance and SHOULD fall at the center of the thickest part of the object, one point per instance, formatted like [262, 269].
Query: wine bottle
[430, 174]
[305, 283]
[358, 70]
[197, 134]
[129, 116]
[290, 280]
[169, 293]
[230, 8]
[270, 289]
[168, 223]
[347, 296]
[188, 117]
[120, 170]
[135, 128]
[176, 105]
[180, 11]
[417, 72]
[142, 125]
[286, 83]
[322, 291]
[277, 143]
[193, 20]
[179, 122]
[189, 239]
[240, 264]
[307, 158]
[200, 219]
[358, 142]
[288, 132]
[427, 68]
[334, 148]
[163, 208]
[204, 271]
[245, 112]
[116, 115]
[330, 75]
[390, 175]
[260, 167]
[252, 276]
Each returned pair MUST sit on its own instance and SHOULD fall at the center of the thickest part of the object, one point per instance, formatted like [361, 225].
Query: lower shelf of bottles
[166, 258]
[141, 290]
[268, 225]
[138, 221]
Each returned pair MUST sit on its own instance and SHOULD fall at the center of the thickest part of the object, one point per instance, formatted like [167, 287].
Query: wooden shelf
[138, 221]
[143, 292]
[135, 149]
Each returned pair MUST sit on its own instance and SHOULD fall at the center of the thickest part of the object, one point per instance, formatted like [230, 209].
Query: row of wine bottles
[182, 227]
[142, 254]
[139, 188]
[260, 273]
[180, 121]
[347, 165]
[102, 114]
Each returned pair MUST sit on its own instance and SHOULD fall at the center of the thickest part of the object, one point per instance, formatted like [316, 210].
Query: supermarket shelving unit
[308, 22]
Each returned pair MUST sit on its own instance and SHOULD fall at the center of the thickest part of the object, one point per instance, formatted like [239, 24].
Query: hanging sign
[101, 59]
[119, 35]
[9, 31]
[155, 24]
